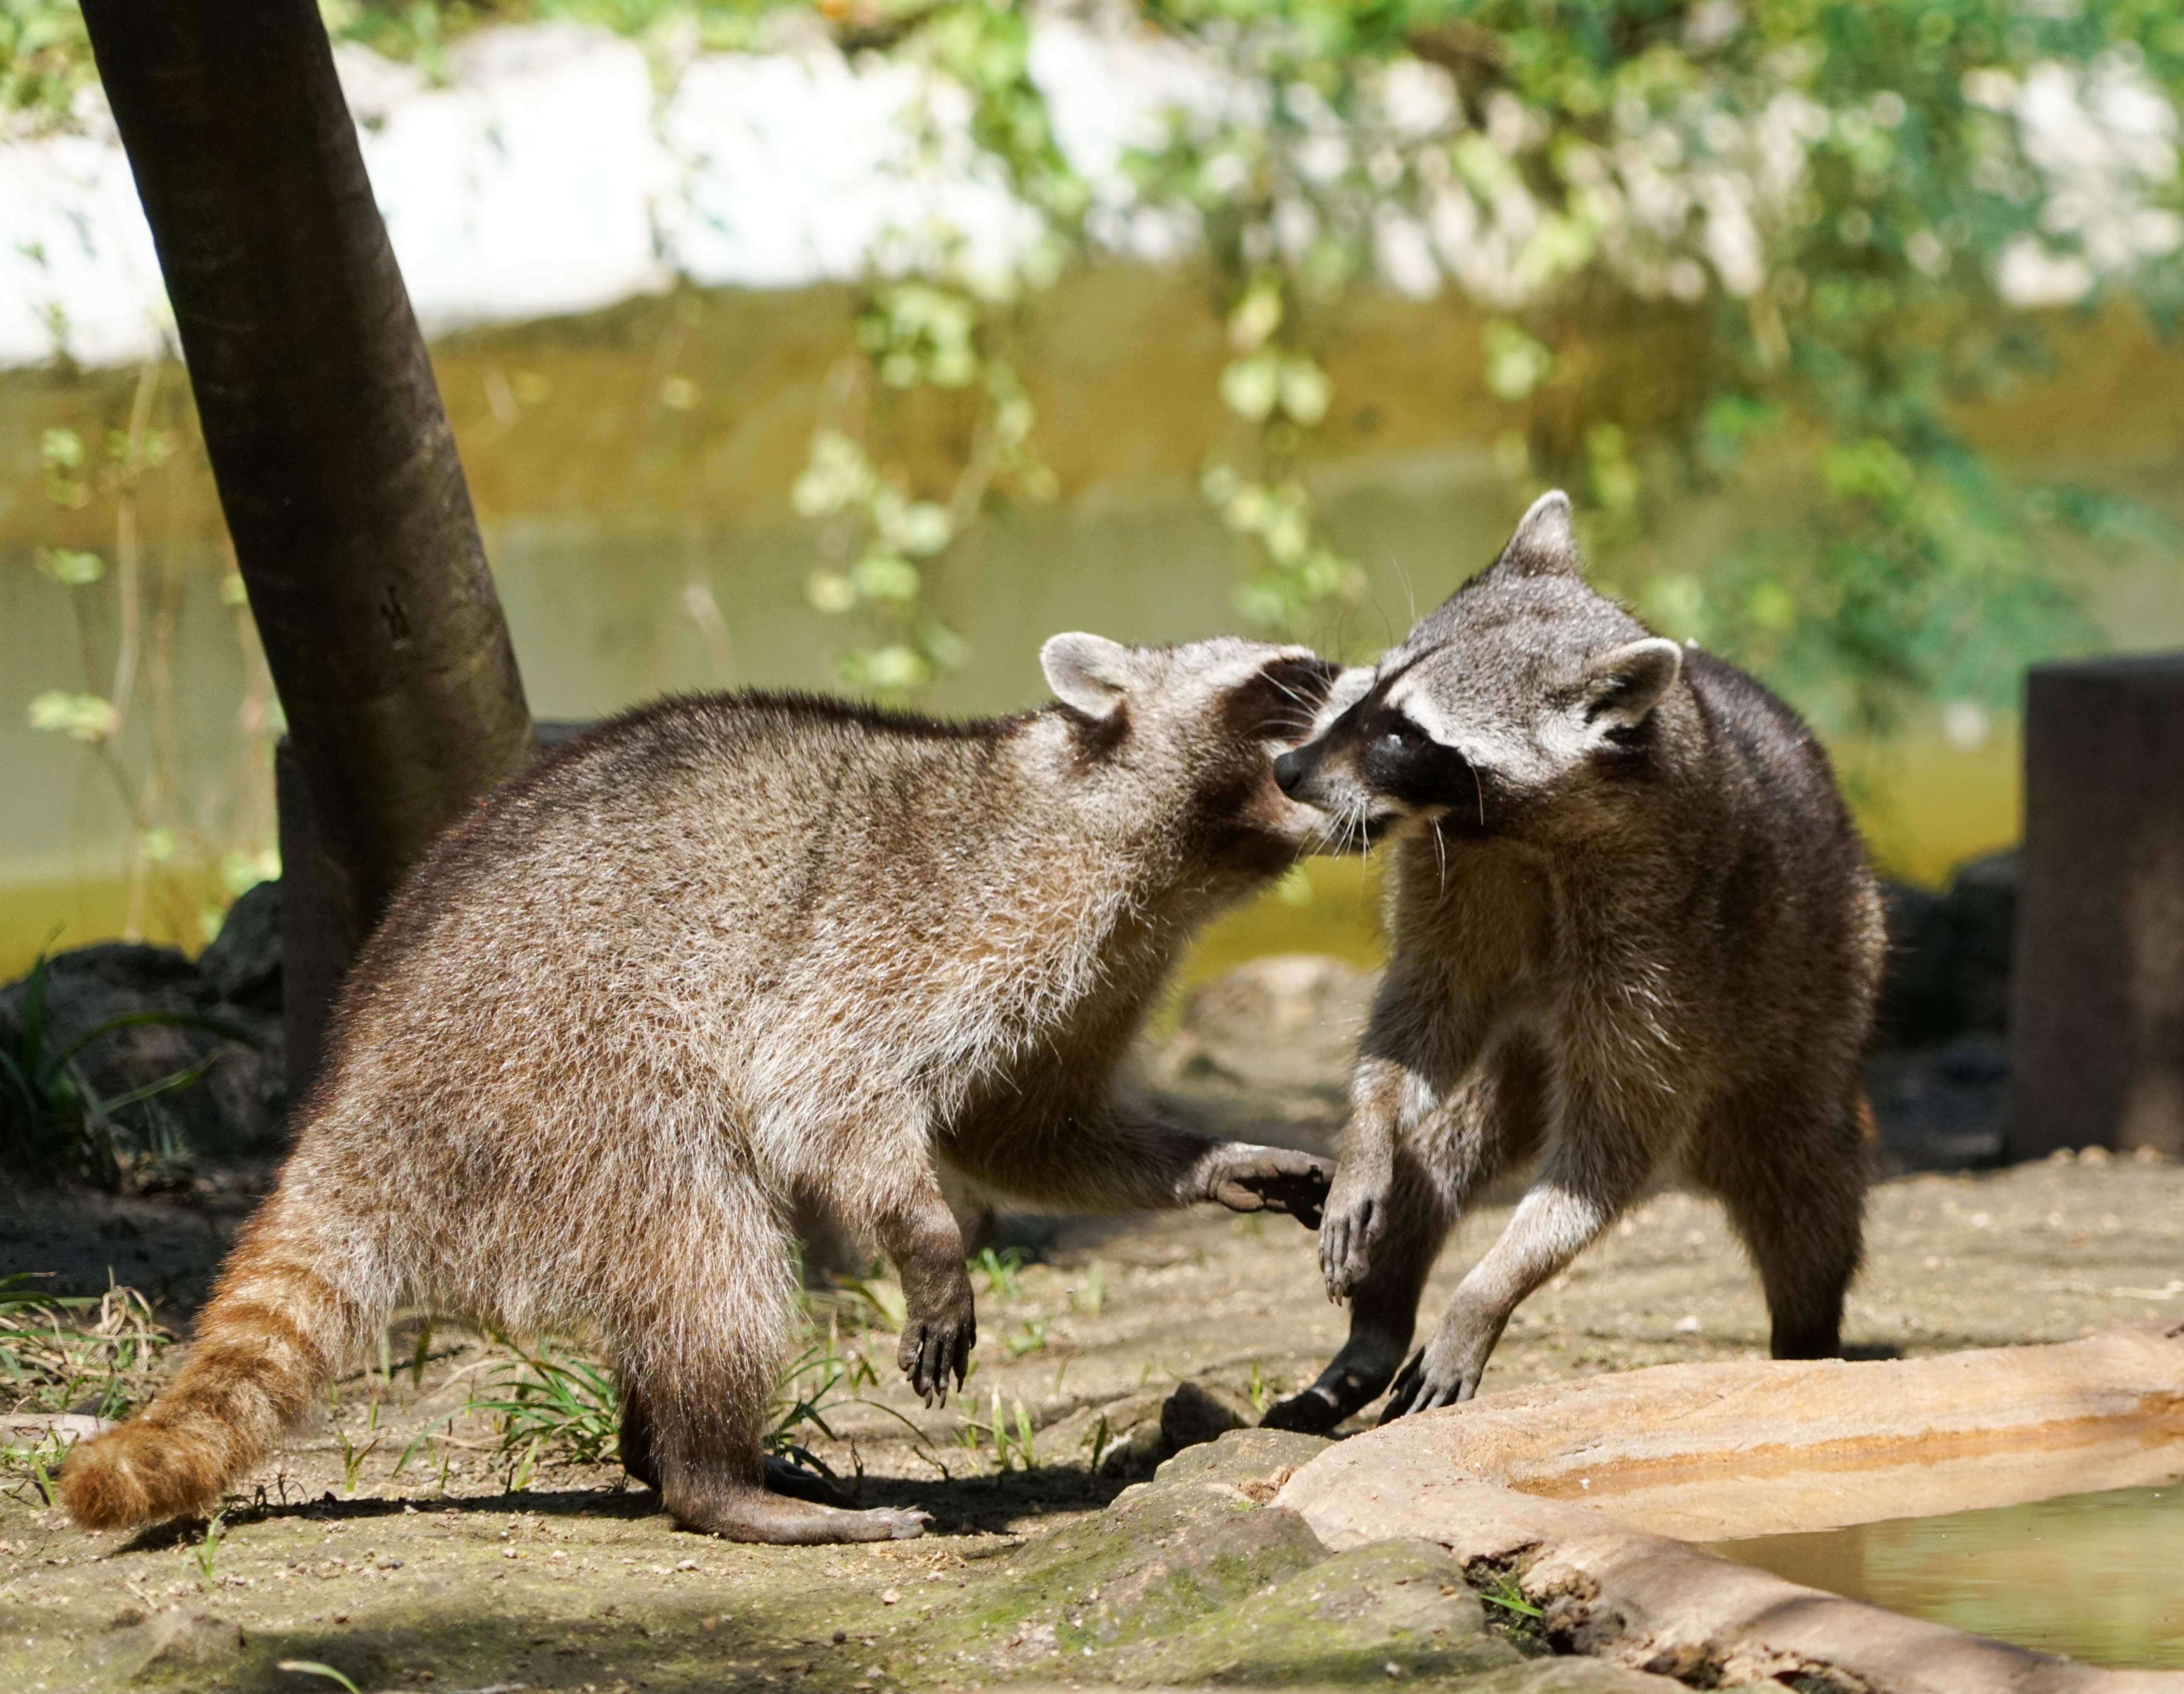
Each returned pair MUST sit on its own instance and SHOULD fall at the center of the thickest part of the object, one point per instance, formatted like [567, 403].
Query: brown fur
[718, 960]
[1632, 930]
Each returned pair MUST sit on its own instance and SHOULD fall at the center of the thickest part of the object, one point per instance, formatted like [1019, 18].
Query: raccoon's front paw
[937, 1344]
[1355, 1218]
[1269, 1179]
[1448, 1368]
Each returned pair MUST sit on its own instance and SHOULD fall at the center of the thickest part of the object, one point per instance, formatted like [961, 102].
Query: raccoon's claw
[1271, 1179]
[1346, 1235]
[1421, 1385]
[934, 1348]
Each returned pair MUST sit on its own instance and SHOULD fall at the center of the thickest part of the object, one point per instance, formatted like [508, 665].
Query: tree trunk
[336, 466]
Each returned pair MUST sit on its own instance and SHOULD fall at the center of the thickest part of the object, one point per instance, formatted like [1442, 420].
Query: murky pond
[2098, 1577]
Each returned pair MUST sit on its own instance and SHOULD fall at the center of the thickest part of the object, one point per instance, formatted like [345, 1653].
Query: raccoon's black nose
[1289, 771]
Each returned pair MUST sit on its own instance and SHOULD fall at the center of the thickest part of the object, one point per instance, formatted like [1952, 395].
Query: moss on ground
[1187, 1580]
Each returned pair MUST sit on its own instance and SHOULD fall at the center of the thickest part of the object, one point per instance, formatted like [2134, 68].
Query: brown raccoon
[718, 958]
[1632, 928]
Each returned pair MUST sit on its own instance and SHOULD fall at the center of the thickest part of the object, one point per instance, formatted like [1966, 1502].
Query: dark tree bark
[336, 470]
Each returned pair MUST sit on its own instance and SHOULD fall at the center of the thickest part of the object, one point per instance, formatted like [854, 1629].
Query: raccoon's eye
[1404, 735]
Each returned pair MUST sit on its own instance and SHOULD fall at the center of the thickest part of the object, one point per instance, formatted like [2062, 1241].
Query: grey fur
[724, 958]
[1632, 929]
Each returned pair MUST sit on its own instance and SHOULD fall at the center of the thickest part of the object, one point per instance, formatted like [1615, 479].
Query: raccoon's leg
[697, 1372]
[1795, 1191]
[1432, 1172]
[1118, 1155]
[634, 1441]
[920, 1236]
[1589, 1176]
[636, 1454]
[1413, 1216]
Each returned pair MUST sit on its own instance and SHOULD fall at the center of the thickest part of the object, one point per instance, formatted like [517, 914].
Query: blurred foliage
[1809, 228]
[1801, 207]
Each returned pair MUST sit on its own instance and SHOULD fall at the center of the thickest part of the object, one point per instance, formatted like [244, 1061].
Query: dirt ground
[388, 1543]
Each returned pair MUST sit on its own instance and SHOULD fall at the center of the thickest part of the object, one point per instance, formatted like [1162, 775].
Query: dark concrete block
[2098, 1015]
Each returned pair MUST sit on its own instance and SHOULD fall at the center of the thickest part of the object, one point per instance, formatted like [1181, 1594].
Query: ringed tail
[275, 1330]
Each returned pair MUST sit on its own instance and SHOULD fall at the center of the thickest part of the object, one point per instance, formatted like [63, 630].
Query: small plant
[553, 1405]
[1093, 1294]
[206, 1553]
[1012, 1444]
[810, 1389]
[879, 1299]
[35, 1459]
[1512, 1614]
[353, 1456]
[435, 1429]
[54, 1122]
[1031, 1338]
[51, 1360]
[1099, 1438]
[311, 1666]
[1260, 1391]
[1003, 1270]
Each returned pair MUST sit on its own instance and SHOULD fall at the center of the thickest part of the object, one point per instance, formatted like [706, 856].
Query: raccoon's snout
[1290, 769]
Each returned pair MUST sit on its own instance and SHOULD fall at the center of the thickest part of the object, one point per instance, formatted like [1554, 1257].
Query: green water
[2098, 1577]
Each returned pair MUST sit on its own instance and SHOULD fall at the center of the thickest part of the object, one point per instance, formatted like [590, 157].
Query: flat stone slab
[1582, 1488]
[1721, 1452]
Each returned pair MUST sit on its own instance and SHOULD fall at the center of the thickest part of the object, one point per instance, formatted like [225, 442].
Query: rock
[1941, 1108]
[1919, 1000]
[1289, 1020]
[1390, 1612]
[1950, 956]
[1194, 1414]
[235, 1110]
[244, 963]
[1196, 1537]
[1575, 1488]
[1722, 1450]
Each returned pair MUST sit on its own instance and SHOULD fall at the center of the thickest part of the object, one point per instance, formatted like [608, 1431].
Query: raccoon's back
[1795, 898]
[630, 904]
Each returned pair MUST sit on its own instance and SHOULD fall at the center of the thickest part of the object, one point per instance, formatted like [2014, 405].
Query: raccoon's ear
[1087, 671]
[1543, 543]
[1626, 682]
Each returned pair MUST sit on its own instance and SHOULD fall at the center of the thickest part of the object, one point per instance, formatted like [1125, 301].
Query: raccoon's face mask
[1212, 714]
[1443, 736]
[1376, 767]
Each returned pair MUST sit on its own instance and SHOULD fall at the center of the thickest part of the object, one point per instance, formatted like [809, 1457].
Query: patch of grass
[352, 1457]
[1013, 1445]
[1508, 1612]
[553, 1405]
[52, 1360]
[1031, 1338]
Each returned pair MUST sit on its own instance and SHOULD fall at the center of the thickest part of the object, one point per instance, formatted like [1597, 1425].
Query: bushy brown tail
[275, 1329]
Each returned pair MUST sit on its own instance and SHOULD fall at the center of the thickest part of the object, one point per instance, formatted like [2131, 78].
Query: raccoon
[719, 959]
[1632, 928]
